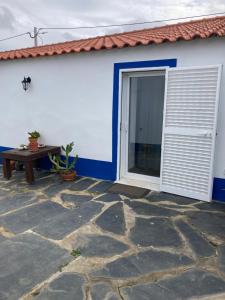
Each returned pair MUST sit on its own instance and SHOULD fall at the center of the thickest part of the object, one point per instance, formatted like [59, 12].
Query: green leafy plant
[75, 253]
[65, 165]
[34, 134]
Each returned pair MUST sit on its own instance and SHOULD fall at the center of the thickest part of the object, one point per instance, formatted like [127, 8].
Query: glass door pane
[146, 102]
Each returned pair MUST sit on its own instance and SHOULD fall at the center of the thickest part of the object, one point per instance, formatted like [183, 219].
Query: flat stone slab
[112, 219]
[2, 238]
[221, 258]
[148, 291]
[43, 182]
[67, 286]
[3, 193]
[161, 196]
[128, 190]
[82, 185]
[16, 201]
[209, 223]
[99, 245]
[156, 232]
[193, 283]
[25, 261]
[147, 209]
[199, 245]
[57, 228]
[103, 291]
[101, 187]
[146, 262]
[42, 174]
[78, 200]
[109, 198]
[29, 217]
[212, 206]
[56, 188]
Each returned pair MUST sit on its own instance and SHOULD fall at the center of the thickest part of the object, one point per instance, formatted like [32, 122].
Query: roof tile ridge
[121, 33]
[172, 25]
[117, 35]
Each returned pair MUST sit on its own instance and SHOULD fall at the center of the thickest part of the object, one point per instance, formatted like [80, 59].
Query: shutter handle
[208, 134]
[205, 134]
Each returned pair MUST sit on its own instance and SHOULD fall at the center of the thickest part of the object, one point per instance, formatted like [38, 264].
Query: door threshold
[139, 183]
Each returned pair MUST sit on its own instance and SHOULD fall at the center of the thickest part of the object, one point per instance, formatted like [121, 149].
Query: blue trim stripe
[123, 66]
[95, 168]
[4, 149]
[84, 167]
[87, 167]
[219, 189]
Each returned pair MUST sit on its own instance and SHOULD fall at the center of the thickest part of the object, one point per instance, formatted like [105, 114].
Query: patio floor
[76, 241]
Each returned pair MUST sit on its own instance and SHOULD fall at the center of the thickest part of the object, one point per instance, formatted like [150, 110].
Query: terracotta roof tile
[203, 29]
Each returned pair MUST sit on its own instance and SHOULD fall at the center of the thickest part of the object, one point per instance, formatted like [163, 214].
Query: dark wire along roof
[187, 31]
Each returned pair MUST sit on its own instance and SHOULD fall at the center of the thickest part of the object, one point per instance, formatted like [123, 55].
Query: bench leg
[7, 168]
[29, 172]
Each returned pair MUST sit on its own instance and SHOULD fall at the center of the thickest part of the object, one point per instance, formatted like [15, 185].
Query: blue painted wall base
[219, 189]
[4, 149]
[105, 170]
[87, 167]
[84, 167]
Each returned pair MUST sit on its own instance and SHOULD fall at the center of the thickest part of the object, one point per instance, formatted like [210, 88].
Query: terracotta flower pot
[69, 176]
[33, 144]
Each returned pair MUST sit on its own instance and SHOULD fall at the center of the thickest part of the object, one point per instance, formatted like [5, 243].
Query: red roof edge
[189, 30]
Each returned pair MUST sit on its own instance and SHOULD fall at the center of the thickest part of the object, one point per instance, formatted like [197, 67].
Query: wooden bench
[27, 158]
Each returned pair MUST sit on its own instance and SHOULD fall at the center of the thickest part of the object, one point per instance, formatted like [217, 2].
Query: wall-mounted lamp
[26, 81]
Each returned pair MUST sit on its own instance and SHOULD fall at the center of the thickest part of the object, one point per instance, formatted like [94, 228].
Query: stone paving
[76, 241]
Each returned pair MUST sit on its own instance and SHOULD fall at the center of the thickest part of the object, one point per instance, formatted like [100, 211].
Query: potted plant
[64, 166]
[33, 140]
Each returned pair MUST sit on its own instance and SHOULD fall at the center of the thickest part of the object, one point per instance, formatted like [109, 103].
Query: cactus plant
[64, 166]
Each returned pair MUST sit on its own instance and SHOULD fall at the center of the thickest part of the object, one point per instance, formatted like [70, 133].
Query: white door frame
[131, 73]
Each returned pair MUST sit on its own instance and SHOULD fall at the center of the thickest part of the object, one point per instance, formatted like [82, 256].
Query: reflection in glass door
[145, 121]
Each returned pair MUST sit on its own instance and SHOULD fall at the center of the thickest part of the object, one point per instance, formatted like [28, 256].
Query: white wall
[70, 98]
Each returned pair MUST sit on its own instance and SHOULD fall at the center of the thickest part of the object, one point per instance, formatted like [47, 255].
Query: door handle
[208, 134]
[205, 134]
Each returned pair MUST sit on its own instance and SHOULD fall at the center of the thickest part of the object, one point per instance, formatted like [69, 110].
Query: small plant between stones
[61, 267]
[75, 253]
[35, 293]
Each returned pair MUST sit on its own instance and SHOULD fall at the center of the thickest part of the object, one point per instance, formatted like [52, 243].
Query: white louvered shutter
[189, 129]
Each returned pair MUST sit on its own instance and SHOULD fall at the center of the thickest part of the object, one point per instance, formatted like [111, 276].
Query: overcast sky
[18, 16]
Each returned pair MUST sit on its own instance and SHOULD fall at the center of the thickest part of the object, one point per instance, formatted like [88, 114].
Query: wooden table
[27, 158]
